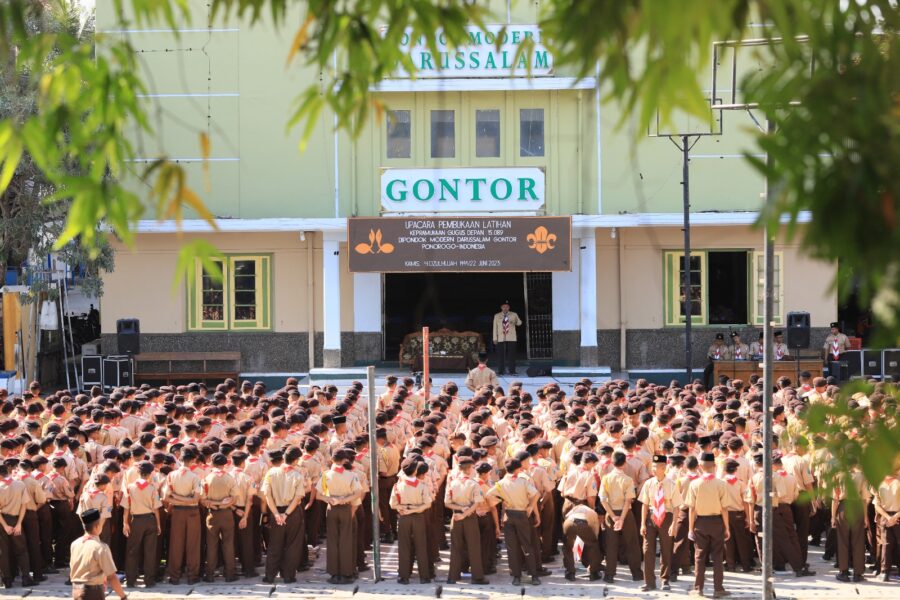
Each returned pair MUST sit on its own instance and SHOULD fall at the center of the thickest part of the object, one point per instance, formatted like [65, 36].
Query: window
[722, 291]
[241, 301]
[531, 132]
[443, 134]
[399, 134]
[487, 133]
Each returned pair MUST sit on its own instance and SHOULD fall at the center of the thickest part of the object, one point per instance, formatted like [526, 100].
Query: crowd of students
[184, 480]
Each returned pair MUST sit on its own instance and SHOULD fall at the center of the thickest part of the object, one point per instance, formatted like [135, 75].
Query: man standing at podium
[835, 345]
[738, 349]
[504, 334]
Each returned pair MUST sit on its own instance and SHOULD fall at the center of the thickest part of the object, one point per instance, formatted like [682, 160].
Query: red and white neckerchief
[7, 481]
[731, 479]
[779, 352]
[142, 484]
[782, 473]
[738, 355]
[506, 324]
[659, 506]
[708, 476]
[337, 469]
[692, 476]
[718, 353]
[835, 348]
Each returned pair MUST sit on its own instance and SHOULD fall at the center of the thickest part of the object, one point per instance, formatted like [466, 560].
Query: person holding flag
[659, 497]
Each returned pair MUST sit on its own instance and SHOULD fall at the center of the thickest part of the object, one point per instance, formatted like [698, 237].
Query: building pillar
[367, 317]
[587, 294]
[331, 305]
[566, 334]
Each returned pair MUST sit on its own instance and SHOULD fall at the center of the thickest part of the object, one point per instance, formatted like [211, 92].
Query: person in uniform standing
[717, 351]
[463, 497]
[504, 337]
[520, 498]
[887, 509]
[91, 567]
[836, 343]
[706, 500]
[388, 467]
[582, 522]
[13, 548]
[738, 350]
[481, 375]
[34, 498]
[284, 488]
[659, 497]
[62, 504]
[488, 520]
[244, 492]
[141, 526]
[412, 498]
[181, 494]
[851, 532]
[218, 498]
[740, 543]
[339, 487]
[617, 492]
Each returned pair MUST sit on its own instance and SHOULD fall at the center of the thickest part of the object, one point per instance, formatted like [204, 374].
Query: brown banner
[423, 244]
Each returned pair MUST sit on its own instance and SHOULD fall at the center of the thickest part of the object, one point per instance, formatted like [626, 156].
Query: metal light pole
[373, 476]
[686, 261]
[768, 371]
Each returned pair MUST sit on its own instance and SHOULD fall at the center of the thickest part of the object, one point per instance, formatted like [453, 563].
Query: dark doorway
[727, 285]
[457, 301]
[854, 315]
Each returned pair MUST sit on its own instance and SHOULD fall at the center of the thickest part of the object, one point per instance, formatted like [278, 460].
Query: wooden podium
[743, 369]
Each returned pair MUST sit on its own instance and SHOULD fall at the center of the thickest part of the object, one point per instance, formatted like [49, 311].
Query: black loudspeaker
[117, 372]
[538, 371]
[853, 358]
[798, 330]
[872, 365]
[891, 364]
[128, 333]
[91, 371]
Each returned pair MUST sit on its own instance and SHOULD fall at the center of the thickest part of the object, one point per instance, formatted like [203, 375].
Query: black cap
[777, 333]
[659, 459]
[89, 516]
[484, 468]
[338, 420]
[835, 325]
[720, 336]
[707, 457]
[505, 303]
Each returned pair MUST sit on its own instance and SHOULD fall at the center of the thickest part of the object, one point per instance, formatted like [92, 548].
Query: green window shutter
[672, 288]
[759, 289]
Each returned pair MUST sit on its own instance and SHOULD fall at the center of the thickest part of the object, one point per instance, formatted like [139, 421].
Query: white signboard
[469, 190]
[481, 57]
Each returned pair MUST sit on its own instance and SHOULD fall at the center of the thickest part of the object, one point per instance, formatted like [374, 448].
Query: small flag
[578, 547]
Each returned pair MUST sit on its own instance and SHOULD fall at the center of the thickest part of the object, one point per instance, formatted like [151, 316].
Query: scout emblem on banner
[578, 548]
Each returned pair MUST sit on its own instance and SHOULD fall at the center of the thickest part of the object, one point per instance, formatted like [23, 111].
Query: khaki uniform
[835, 345]
[65, 527]
[887, 498]
[740, 544]
[34, 499]
[617, 491]
[282, 485]
[244, 490]
[184, 524]
[217, 487]
[13, 500]
[388, 467]
[412, 497]
[851, 533]
[517, 494]
[737, 352]
[91, 565]
[707, 496]
[464, 493]
[338, 483]
[582, 522]
[504, 337]
[141, 498]
[667, 494]
[481, 376]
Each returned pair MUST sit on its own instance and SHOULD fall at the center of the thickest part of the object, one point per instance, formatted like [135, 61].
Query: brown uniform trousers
[573, 528]
[488, 536]
[285, 544]
[518, 534]
[141, 547]
[315, 516]
[665, 551]
[31, 529]
[63, 530]
[387, 515]
[787, 545]
[548, 527]
[626, 540]
[88, 592]
[13, 549]
[709, 542]
[465, 545]
[45, 523]
[800, 511]
[220, 530]
[412, 541]
[244, 544]
[339, 532]
[851, 543]
[681, 544]
[889, 538]
[362, 530]
[739, 546]
[259, 532]
[184, 549]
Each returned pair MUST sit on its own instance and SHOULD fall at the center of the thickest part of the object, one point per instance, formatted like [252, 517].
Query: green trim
[262, 323]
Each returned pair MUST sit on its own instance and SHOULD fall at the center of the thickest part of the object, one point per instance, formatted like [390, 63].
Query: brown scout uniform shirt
[585, 513]
[218, 485]
[338, 482]
[95, 499]
[388, 461]
[411, 494]
[91, 561]
[616, 488]
[462, 493]
[734, 500]
[283, 483]
[671, 494]
[141, 498]
[184, 482]
[515, 492]
[887, 496]
[707, 495]
[60, 488]
[13, 496]
[35, 497]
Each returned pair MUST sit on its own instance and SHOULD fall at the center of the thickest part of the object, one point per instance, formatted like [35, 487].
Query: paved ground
[311, 584]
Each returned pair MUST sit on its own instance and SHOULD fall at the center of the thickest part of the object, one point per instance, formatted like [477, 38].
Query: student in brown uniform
[520, 498]
[740, 543]
[582, 522]
[388, 467]
[45, 514]
[787, 543]
[62, 504]
[339, 488]
[659, 498]
[463, 497]
[92, 567]
[141, 526]
[30, 526]
[218, 498]
[244, 492]
[706, 501]
[99, 498]
[13, 502]
[182, 495]
[851, 532]
[887, 509]
[412, 498]
[283, 488]
[617, 492]
[488, 520]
